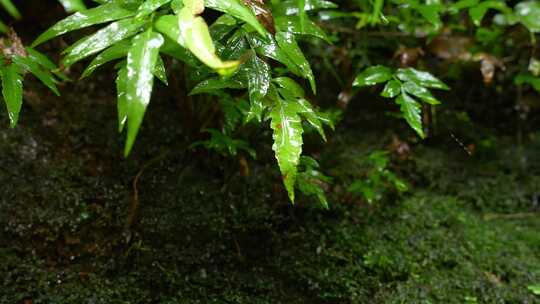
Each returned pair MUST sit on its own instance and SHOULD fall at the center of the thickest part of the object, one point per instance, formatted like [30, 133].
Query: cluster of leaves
[378, 179]
[411, 14]
[240, 46]
[17, 60]
[250, 62]
[401, 85]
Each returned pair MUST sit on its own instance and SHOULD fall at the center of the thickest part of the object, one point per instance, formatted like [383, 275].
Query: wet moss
[208, 235]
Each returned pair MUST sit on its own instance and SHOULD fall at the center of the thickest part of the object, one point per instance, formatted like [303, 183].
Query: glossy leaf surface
[420, 92]
[236, 9]
[373, 75]
[121, 98]
[287, 134]
[102, 39]
[118, 50]
[149, 6]
[73, 5]
[195, 36]
[292, 24]
[421, 78]
[101, 14]
[12, 84]
[411, 111]
[28, 65]
[259, 78]
[141, 61]
[287, 43]
[391, 89]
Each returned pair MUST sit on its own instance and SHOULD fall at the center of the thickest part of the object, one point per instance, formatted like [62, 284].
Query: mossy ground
[466, 233]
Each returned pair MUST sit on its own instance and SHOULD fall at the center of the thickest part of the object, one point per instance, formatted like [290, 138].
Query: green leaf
[292, 24]
[310, 180]
[3, 27]
[268, 47]
[290, 85]
[411, 111]
[238, 10]
[535, 289]
[195, 36]
[461, 4]
[102, 39]
[117, 51]
[287, 134]
[420, 92]
[287, 43]
[101, 14]
[212, 85]
[290, 7]
[73, 5]
[302, 14]
[149, 6]
[259, 77]
[311, 116]
[430, 12]
[391, 89]
[12, 84]
[27, 64]
[373, 75]
[160, 72]
[141, 61]
[224, 144]
[222, 27]
[121, 103]
[40, 59]
[528, 79]
[168, 26]
[421, 78]
[11, 8]
[529, 14]
[235, 47]
[478, 12]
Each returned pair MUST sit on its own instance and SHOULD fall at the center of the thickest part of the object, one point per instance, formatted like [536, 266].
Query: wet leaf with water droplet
[259, 77]
[12, 91]
[421, 78]
[121, 102]
[391, 89]
[101, 14]
[287, 43]
[117, 51]
[73, 5]
[238, 10]
[373, 75]
[27, 64]
[150, 6]
[420, 92]
[287, 134]
[411, 111]
[102, 39]
[292, 24]
[141, 61]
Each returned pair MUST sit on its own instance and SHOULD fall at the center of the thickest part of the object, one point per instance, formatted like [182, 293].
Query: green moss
[207, 235]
